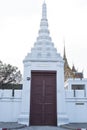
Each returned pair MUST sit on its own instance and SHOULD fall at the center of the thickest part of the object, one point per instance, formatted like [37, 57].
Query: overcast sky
[19, 25]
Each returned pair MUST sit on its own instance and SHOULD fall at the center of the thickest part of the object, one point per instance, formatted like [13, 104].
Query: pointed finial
[83, 72]
[64, 42]
[64, 56]
[44, 1]
[73, 68]
[44, 11]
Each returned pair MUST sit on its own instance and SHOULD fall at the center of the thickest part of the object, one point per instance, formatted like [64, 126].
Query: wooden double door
[43, 109]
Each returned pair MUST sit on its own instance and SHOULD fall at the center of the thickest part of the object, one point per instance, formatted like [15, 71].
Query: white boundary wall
[10, 106]
[76, 110]
[76, 104]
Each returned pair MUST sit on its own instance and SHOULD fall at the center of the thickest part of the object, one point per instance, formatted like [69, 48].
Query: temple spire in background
[64, 55]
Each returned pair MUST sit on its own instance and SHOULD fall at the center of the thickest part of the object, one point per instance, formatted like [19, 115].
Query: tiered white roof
[43, 49]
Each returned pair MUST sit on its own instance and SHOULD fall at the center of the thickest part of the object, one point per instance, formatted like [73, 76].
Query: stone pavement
[75, 126]
[11, 125]
[16, 126]
[42, 128]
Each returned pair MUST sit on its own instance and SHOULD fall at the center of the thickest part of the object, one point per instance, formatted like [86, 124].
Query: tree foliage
[9, 74]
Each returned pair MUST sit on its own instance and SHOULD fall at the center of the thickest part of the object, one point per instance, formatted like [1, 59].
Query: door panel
[43, 98]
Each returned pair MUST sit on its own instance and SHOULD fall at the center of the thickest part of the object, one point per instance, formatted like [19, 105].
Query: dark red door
[43, 98]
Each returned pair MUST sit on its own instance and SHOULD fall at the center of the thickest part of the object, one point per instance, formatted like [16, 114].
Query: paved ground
[42, 128]
[16, 126]
[75, 126]
[11, 125]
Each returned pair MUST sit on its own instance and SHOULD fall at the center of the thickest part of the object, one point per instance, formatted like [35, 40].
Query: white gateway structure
[43, 97]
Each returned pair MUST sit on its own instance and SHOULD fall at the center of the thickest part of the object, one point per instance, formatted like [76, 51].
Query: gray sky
[19, 25]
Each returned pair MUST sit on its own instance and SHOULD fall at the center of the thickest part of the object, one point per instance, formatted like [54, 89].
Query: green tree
[9, 74]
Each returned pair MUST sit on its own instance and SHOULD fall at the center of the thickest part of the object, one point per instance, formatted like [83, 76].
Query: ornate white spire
[44, 32]
[43, 49]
